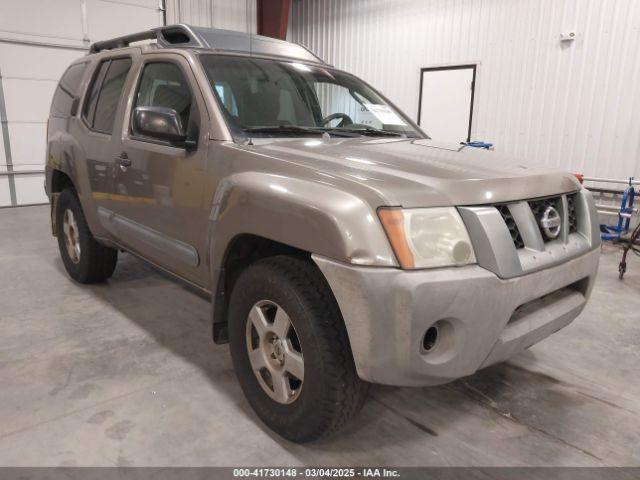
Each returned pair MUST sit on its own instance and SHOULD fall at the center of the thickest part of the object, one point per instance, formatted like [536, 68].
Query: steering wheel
[346, 119]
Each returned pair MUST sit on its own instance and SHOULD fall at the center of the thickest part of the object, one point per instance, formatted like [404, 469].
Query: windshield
[279, 98]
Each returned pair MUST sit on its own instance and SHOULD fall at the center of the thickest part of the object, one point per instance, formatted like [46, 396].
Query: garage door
[38, 40]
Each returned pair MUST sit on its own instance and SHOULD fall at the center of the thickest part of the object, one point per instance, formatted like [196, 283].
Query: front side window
[104, 97]
[263, 97]
[164, 85]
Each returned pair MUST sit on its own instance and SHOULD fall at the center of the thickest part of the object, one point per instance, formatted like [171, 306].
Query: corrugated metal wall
[237, 15]
[572, 105]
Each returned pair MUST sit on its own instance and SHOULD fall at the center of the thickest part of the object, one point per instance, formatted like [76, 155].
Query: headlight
[427, 237]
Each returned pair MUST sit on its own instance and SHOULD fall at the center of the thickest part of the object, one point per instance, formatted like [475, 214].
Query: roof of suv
[187, 36]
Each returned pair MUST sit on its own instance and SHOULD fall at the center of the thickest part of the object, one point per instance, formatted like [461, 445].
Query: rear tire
[330, 392]
[85, 260]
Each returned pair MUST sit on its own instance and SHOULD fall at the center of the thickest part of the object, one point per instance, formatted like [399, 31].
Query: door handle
[123, 160]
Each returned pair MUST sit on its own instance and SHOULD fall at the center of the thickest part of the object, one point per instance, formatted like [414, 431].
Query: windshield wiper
[372, 131]
[346, 132]
[283, 129]
[295, 129]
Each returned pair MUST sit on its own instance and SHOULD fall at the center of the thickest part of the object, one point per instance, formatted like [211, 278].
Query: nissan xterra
[339, 244]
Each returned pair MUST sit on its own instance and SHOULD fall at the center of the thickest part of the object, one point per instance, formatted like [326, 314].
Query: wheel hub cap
[274, 352]
[277, 351]
[71, 235]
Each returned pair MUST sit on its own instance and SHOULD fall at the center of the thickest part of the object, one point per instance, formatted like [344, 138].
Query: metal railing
[21, 172]
[629, 181]
[624, 212]
[613, 210]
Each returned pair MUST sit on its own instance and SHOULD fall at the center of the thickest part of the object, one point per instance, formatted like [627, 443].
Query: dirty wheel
[290, 349]
[274, 352]
[85, 260]
[71, 235]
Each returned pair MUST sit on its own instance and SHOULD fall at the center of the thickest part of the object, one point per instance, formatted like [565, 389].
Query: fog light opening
[430, 339]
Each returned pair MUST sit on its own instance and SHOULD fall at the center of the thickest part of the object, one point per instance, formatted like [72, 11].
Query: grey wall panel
[572, 105]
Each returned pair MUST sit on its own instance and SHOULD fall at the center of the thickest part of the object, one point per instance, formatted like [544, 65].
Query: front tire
[85, 260]
[290, 349]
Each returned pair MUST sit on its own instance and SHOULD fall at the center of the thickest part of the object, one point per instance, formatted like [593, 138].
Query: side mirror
[159, 122]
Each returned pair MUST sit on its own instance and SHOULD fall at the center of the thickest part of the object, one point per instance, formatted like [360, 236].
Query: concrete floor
[125, 374]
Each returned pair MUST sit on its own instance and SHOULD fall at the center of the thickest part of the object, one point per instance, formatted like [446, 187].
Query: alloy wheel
[274, 352]
[71, 235]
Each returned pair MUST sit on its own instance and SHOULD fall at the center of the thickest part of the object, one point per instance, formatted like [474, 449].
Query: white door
[38, 41]
[446, 102]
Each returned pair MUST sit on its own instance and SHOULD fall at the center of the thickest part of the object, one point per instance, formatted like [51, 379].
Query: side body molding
[141, 237]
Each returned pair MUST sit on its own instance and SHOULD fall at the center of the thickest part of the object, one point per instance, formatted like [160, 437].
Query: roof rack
[212, 38]
[181, 35]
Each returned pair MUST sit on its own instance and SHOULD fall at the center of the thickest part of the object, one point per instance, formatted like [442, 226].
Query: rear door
[101, 117]
[159, 187]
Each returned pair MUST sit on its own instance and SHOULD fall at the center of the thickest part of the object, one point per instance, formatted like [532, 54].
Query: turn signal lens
[392, 221]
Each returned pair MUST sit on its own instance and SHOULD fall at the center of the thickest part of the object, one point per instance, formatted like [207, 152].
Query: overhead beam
[273, 17]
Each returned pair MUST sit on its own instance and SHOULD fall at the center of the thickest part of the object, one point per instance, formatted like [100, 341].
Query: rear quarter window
[68, 89]
[104, 96]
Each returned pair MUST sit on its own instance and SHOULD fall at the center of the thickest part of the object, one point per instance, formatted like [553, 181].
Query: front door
[158, 186]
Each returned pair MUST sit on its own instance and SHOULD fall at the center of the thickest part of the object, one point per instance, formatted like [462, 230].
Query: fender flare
[310, 216]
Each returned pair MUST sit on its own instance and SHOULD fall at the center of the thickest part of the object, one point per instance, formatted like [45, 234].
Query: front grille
[571, 211]
[538, 208]
[511, 225]
[506, 235]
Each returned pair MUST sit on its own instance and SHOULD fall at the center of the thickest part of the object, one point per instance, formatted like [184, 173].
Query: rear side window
[67, 90]
[92, 99]
[102, 102]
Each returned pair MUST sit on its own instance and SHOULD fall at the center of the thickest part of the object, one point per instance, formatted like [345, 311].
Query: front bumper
[483, 319]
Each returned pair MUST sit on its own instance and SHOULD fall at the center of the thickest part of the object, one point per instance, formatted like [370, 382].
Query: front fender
[316, 217]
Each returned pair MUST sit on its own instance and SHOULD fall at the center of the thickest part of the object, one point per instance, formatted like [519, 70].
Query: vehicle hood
[418, 172]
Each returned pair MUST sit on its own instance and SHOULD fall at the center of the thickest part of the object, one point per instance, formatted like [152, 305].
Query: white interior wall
[572, 105]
